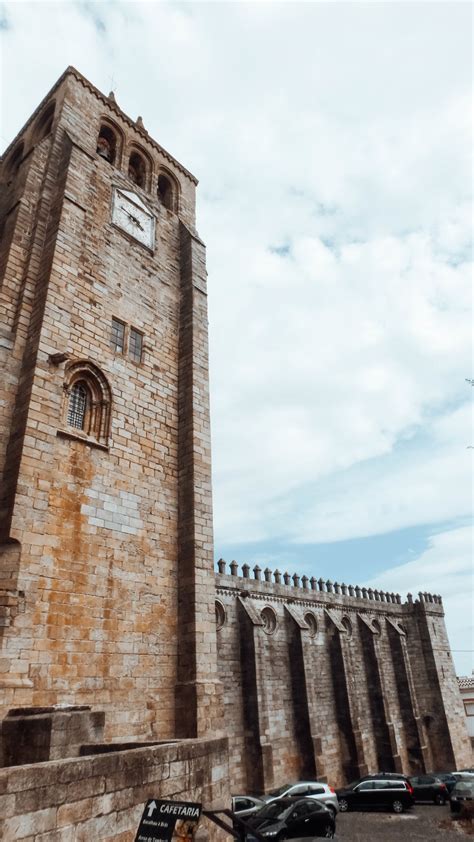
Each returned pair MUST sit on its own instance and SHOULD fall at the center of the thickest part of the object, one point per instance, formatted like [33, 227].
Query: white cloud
[340, 132]
[444, 568]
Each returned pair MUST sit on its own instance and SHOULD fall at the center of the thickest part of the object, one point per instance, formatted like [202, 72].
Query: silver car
[246, 805]
[306, 789]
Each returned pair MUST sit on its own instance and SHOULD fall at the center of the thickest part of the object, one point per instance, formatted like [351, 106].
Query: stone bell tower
[106, 581]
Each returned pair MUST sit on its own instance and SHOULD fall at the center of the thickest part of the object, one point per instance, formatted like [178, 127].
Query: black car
[429, 788]
[462, 793]
[377, 776]
[378, 794]
[287, 818]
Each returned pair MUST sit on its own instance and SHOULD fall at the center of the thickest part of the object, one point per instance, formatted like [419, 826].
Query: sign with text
[168, 820]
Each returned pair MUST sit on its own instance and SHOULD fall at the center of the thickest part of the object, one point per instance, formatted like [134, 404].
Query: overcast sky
[332, 145]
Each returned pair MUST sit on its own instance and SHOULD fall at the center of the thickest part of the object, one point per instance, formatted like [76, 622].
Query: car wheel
[343, 805]
[397, 806]
[439, 799]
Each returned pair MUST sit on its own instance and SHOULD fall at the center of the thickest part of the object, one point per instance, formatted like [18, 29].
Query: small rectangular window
[117, 337]
[135, 345]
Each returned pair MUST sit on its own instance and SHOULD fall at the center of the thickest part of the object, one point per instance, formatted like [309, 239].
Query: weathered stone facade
[106, 583]
[107, 588]
[331, 681]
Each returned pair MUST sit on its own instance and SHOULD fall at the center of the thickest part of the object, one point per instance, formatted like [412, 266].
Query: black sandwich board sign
[168, 820]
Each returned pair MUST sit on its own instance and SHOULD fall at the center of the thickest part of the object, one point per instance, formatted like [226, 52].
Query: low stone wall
[35, 735]
[102, 796]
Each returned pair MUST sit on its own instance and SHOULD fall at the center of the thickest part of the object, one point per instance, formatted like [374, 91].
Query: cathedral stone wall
[331, 681]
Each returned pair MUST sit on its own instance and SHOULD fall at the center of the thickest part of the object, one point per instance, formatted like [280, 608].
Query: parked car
[462, 793]
[246, 805]
[287, 818]
[447, 778]
[306, 789]
[380, 793]
[385, 776]
[429, 788]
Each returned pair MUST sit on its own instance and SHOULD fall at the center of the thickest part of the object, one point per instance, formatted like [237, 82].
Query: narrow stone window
[165, 192]
[45, 122]
[137, 169]
[107, 144]
[77, 406]
[117, 336]
[135, 345]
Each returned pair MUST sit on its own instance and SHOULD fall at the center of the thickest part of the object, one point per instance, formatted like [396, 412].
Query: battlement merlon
[304, 588]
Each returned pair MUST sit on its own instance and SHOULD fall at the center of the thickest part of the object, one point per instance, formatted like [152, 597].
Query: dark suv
[377, 794]
[429, 788]
[383, 776]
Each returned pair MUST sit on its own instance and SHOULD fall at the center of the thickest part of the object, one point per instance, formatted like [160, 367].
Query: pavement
[420, 824]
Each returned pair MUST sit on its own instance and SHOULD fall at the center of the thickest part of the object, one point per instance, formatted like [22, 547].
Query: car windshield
[275, 810]
[280, 790]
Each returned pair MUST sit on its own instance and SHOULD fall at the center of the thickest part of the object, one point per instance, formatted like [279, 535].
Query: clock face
[132, 216]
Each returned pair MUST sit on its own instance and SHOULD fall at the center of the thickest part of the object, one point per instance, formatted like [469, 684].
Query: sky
[332, 145]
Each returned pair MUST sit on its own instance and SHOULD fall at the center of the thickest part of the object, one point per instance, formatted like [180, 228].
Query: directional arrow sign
[168, 821]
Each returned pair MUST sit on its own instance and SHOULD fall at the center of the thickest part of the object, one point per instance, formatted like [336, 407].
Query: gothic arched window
[44, 123]
[138, 169]
[107, 143]
[87, 401]
[167, 192]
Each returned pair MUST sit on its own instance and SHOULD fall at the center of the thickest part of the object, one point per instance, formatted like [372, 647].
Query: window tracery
[78, 405]
[269, 620]
[347, 625]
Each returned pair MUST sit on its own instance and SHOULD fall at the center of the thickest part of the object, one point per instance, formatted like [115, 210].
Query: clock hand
[132, 217]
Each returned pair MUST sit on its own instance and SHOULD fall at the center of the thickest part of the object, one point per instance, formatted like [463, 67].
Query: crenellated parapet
[332, 680]
[302, 586]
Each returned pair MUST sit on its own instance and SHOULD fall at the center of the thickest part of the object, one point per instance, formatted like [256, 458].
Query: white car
[246, 805]
[306, 789]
